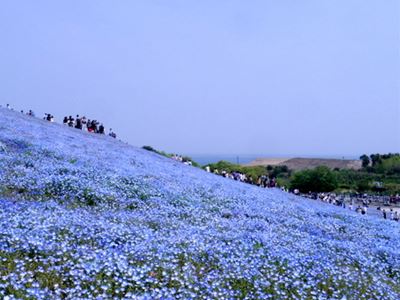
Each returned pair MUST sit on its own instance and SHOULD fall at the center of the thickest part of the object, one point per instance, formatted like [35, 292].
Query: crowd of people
[263, 181]
[362, 204]
[82, 123]
[182, 159]
[391, 214]
[85, 124]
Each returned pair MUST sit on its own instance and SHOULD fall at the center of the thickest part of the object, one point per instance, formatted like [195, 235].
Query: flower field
[86, 217]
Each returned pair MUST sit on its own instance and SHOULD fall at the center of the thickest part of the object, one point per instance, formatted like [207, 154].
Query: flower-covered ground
[84, 216]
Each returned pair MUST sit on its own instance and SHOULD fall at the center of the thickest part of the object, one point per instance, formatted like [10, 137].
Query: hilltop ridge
[87, 216]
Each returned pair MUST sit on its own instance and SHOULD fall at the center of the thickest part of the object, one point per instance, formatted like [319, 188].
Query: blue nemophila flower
[86, 217]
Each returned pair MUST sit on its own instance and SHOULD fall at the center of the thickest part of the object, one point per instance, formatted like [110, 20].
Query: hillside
[299, 163]
[86, 216]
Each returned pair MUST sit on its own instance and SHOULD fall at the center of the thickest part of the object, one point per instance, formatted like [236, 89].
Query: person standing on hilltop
[101, 129]
[71, 121]
[93, 126]
[89, 125]
[112, 134]
[78, 122]
[84, 123]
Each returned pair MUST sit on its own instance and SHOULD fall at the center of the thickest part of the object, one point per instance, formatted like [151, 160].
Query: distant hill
[299, 163]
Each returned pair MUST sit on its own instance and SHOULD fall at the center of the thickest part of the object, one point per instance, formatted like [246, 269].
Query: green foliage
[320, 179]
[389, 166]
[375, 159]
[365, 160]
[151, 149]
[382, 163]
[89, 198]
[195, 164]
[363, 181]
[384, 168]
[169, 155]
[363, 185]
[279, 171]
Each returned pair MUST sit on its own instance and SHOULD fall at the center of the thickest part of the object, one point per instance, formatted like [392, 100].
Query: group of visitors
[266, 182]
[238, 176]
[82, 123]
[393, 215]
[263, 181]
[361, 204]
[48, 117]
[182, 159]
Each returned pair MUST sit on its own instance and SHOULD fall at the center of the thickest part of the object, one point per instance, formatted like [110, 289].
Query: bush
[362, 186]
[320, 179]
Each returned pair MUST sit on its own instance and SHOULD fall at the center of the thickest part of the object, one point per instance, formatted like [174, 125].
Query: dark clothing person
[78, 123]
[93, 126]
[101, 129]
[89, 125]
[112, 134]
[71, 121]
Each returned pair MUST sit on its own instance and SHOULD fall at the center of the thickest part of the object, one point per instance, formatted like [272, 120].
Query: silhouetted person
[101, 129]
[71, 121]
[78, 122]
[112, 134]
[93, 126]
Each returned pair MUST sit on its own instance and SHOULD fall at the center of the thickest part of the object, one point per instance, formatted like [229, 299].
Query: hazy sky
[273, 77]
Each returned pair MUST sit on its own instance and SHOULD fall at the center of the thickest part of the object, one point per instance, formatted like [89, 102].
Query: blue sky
[223, 77]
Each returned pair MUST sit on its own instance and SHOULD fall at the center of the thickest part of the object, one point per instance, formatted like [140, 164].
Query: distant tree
[390, 166]
[320, 179]
[363, 185]
[284, 169]
[278, 170]
[375, 159]
[365, 160]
